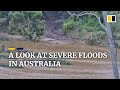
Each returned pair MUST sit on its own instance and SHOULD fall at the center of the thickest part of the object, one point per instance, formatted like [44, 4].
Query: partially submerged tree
[111, 45]
[108, 30]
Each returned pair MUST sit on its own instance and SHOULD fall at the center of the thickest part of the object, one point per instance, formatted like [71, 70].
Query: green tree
[24, 23]
[111, 40]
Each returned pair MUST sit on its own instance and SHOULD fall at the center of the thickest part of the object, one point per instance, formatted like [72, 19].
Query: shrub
[92, 39]
[88, 27]
[96, 37]
[88, 23]
[17, 16]
[68, 24]
[83, 32]
[118, 43]
[116, 26]
[3, 21]
[116, 36]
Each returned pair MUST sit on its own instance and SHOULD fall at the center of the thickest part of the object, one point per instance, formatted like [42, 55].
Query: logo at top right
[111, 18]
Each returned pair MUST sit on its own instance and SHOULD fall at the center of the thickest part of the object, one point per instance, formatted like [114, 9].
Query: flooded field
[79, 68]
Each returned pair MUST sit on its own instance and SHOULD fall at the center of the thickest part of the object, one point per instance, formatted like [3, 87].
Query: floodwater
[79, 68]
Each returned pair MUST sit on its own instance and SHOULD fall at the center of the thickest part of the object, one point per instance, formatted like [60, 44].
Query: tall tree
[111, 45]
[111, 40]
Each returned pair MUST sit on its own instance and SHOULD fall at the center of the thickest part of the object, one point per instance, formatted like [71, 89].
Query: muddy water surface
[80, 68]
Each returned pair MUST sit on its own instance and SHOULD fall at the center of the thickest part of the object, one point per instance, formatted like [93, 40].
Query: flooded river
[79, 68]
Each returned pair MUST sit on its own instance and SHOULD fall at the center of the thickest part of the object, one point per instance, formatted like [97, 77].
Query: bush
[118, 43]
[95, 38]
[3, 21]
[83, 32]
[68, 24]
[92, 40]
[89, 23]
[116, 26]
[116, 36]
[17, 16]
[88, 27]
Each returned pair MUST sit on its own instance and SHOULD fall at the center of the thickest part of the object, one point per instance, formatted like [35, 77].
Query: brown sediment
[79, 68]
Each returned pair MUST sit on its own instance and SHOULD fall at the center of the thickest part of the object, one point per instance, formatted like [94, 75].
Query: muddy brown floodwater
[79, 68]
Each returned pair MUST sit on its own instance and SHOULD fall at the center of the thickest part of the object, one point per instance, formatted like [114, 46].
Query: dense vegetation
[31, 24]
[25, 23]
[89, 28]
